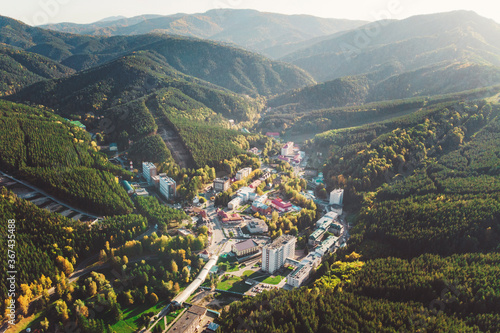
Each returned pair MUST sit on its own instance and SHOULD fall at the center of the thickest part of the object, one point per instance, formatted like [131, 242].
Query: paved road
[218, 245]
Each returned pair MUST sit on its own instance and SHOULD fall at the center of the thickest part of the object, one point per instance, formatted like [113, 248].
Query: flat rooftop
[280, 241]
[188, 318]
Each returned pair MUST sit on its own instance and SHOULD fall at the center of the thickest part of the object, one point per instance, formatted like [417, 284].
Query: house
[221, 185]
[326, 246]
[287, 149]
[204, 255]
[141, 192]
[229, 218]
[297, 159]
[261, 208]
[265, 176]
[246, 194]
[254, 151]
[281, 205]
[304, 270]
[243, 173]
[336, 229]
[299, 275]
[200, 212]
[113, 147]
[274, 135]
[257, 226]
[190, 320]
[284, 158]
[255, 184]
[245, 248]
[330, 216]
[183, 232]
[155, 180]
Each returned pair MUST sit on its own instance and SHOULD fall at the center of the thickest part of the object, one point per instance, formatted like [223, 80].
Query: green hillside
[19, 69]
[267, 33]
[427, 294]
[47, 151]
[132, 94]
[426, 186]
[296, 118]
[116, 90]
[232, 68]
[402, 46]
[357, 90]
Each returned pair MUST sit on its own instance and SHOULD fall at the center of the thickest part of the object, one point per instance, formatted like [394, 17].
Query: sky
[37, 12]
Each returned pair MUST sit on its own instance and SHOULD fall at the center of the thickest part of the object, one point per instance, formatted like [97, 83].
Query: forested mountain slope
[238, 70]
[394, 47]
[268, 33]
[48, 152]
[19, 69]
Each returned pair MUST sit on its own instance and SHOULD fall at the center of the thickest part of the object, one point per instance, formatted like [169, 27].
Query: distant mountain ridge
[229, 67]
[406, 45]
[271, 34]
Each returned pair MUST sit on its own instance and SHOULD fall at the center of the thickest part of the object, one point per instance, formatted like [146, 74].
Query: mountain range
[271, 34]
[394, 47]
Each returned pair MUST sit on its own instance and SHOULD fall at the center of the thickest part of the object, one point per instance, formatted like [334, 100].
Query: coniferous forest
[407, 125]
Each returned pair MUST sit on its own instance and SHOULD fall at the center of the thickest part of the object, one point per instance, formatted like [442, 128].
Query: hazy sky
[36, 12]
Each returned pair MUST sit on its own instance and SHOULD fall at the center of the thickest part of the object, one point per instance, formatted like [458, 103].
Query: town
[242, 259]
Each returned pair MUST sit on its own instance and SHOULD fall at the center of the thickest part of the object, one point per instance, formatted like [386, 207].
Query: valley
[238, 170]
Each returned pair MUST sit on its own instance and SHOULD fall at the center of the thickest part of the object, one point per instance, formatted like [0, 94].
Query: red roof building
[281, 205]
[229, 218]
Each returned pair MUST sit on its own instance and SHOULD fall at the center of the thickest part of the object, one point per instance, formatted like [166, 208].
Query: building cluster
[326, 223]
[166, 185]
[291, 154]
[306, 266]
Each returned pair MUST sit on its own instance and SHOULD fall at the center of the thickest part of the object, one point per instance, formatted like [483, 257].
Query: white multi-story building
[299, 275]
[304, 269]
[148, 171]
[327, 245]
[337, 196]
[243, 173]
[167, 187]
[234, 204]
[275, 254]
[246, 194]
[330, 216]
[287, 149]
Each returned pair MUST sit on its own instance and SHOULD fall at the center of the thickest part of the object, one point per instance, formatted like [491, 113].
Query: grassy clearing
[132, 313]
[233, 283]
